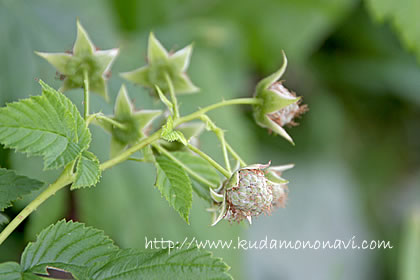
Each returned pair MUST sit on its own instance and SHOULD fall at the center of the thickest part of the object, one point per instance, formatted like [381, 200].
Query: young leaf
[48, 125]
[178, 264]
[88, 171]
[170, 135]
[69, 246]
[13, 187]
[175, 185]
[201, 167]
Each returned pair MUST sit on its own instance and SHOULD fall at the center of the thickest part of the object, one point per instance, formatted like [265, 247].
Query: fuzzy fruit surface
[252, 196]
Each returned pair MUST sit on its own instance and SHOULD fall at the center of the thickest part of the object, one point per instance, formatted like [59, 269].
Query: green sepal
[155, 51]
[123, 106]
[84, 58]
[83, 45]
[266, 82]
[163, 64]
[278, 129]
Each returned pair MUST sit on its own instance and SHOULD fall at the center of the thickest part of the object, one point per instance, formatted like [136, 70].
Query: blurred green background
[357, 150]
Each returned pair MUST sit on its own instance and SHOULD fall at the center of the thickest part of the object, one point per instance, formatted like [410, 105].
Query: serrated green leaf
[175, 185]
[404, 16]
[201, 167]
[88, 171]
[49, 125]
[13, 271]
[69, 246]
[178, 264]
[13, 187]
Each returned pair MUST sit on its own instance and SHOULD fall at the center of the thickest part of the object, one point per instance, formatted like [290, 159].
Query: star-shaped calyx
[127, 126]
[163, 66]
[83, 60]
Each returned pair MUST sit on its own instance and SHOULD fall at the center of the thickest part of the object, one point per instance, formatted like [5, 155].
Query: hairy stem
[62, 181]
[235, 155]
[223, 103]
[221, 136]
[173, 96]
[193, 174]
[99, 116]
[86, 93]
[225, 173]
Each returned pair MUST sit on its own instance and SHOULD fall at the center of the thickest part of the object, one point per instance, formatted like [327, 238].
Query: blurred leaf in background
[410, 251]
[404, 17]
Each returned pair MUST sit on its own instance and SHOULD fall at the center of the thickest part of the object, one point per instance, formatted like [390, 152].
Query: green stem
[235, 155]
[186, 168]
[127, 153]
[223, 103]
[137, 159]
[155, 136]
[62, 181]
[173, 96]
[86, 93]
[225, 173]
[106, 119]
[221, 136]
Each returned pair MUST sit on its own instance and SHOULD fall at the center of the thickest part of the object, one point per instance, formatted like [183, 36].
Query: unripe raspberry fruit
[248, 193]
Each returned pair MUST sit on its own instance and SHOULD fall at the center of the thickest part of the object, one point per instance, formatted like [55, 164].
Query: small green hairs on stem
[64, 138]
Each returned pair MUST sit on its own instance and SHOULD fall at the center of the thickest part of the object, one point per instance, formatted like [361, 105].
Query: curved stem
[225, 173]
[62, 181]
[223, 103]
[235, 155]
[86, 93]
[155, 136]
[221, 136]
[186, 168]
[173, 96]
[137, 159]
[99, 116]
